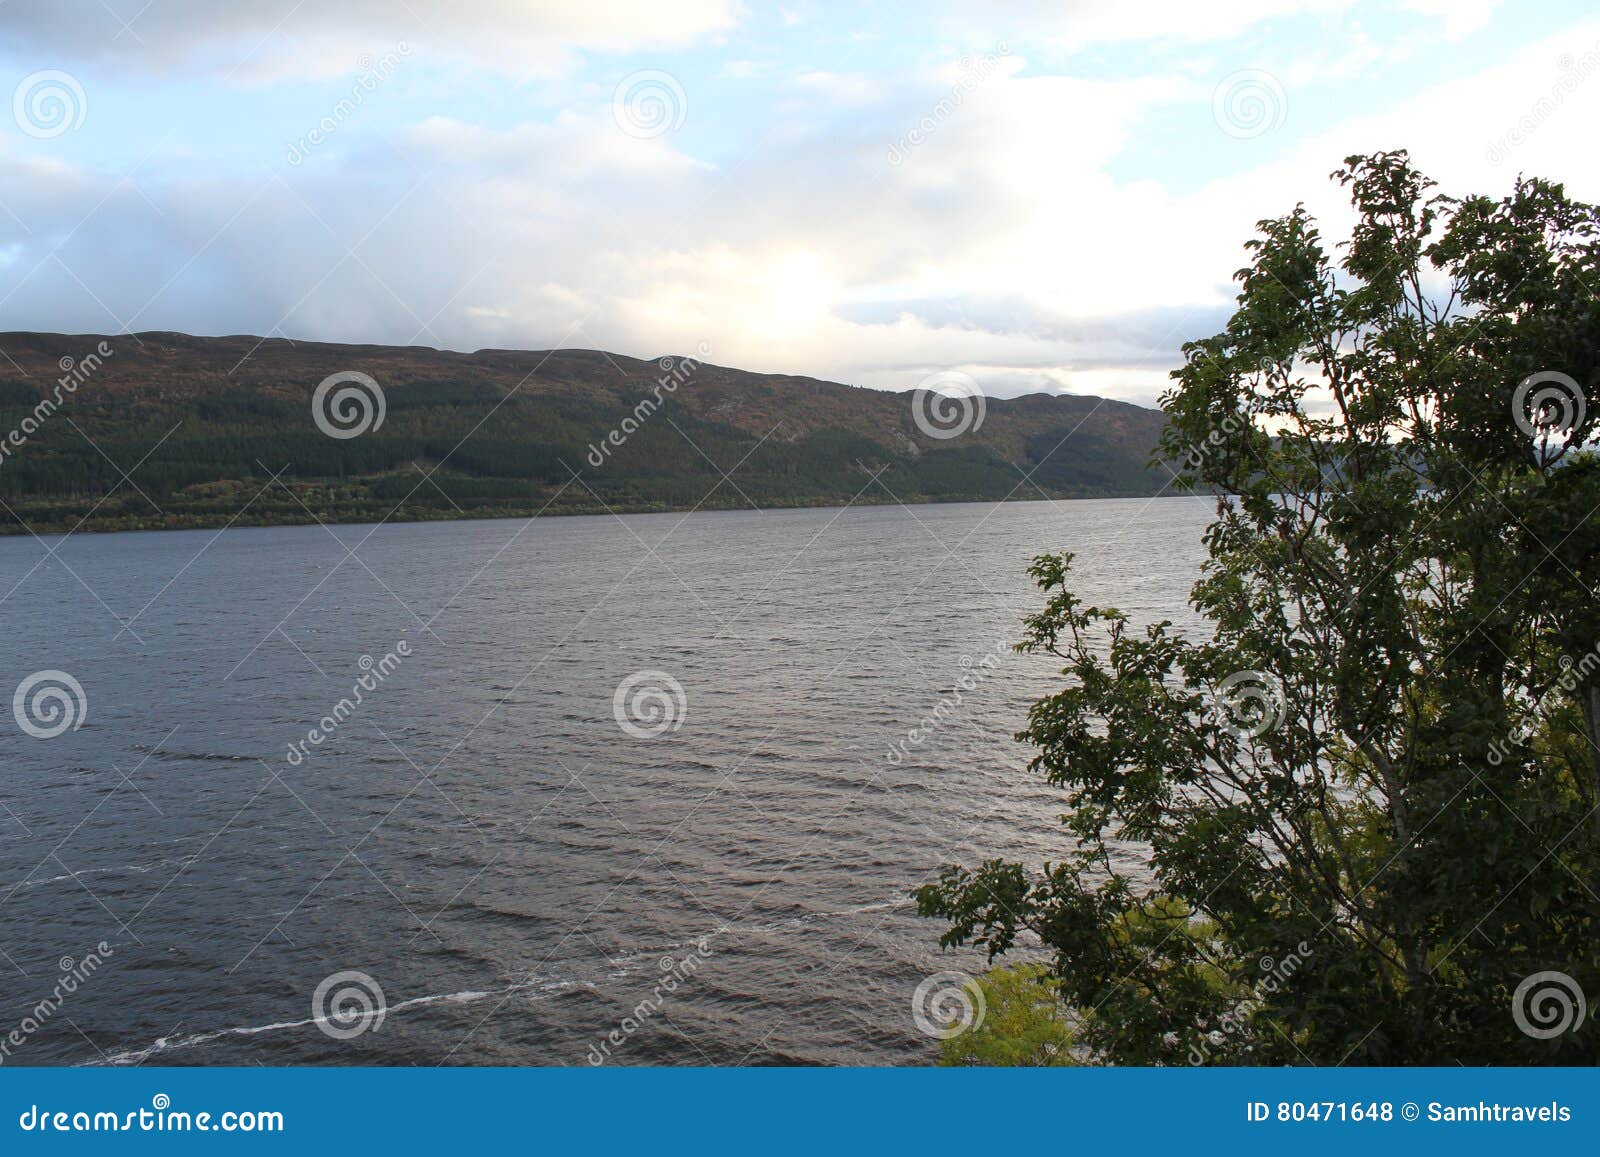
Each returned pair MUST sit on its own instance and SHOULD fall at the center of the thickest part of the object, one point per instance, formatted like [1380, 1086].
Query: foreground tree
[1370, 804]
[1023, 1025]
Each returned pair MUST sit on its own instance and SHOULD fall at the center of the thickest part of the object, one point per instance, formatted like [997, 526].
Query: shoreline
[17, 530]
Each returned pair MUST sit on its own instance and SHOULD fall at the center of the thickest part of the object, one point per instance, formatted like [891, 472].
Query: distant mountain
[203, 425]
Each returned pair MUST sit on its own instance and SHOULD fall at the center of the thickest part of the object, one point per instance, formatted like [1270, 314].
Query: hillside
[201, 425]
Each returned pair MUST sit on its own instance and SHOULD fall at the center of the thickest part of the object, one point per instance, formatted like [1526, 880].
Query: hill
[202, 425]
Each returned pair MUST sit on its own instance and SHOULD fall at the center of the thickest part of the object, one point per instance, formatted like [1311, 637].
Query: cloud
[1000, 242]
[271, 40]
[1460, 18]
[1078, 24]
[572, 232]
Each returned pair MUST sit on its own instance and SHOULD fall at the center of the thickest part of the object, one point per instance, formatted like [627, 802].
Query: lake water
[480, 837]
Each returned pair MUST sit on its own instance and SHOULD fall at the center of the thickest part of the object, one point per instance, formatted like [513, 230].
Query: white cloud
[1078, 24]
[264, 40]
[846, 88]
[1003, 243]
[1460, 18]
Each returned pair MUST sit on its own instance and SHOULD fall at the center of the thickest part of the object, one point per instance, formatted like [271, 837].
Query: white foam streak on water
[136, 869]
[534, 988]
[537, 988]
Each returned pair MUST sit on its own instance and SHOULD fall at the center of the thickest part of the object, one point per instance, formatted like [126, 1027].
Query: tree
[1384, 765]
[1024, 1023]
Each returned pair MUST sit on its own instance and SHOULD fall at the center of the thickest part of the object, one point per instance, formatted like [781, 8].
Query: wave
[140, 869]
[790, 923]
[543, 988]
[622, 965]
[202, 756]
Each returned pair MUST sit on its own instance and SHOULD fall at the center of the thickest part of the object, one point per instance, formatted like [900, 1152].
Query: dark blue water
[479, 837]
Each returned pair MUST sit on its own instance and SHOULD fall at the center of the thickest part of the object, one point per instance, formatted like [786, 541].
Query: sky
[1048, 197]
